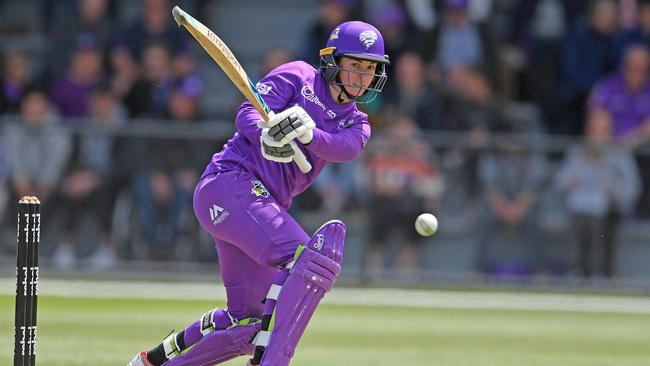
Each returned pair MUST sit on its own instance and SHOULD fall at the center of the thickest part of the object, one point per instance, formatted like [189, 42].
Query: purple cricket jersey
[629, 111]
[242, 201]
[340, 135]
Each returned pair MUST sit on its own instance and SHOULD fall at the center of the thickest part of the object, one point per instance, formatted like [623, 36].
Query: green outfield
[103, 332]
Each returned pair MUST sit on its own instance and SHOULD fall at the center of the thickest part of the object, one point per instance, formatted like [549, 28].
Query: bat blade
[227, 61]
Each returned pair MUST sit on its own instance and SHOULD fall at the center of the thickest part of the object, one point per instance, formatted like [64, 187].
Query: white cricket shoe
[140, 360]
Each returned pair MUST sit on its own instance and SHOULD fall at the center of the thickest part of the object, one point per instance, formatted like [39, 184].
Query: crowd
[459, 68]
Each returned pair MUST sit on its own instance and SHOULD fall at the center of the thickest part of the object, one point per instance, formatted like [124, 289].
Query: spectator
[124, 71]
[469, 107]
[183, 104]
[459, 42]
[149, 95]
[601, 184]
[14, 80]
[155, 25]
[404, 182]
[392, 21]
[54, 14]
[413, 95]
[472, 105]
[91, 25]
[36, 148]
[532, 53]
[166, 172]
[510, 179]
[588, 54]
[332, 13]
[71, 92]
[622, 98]
[637, 35]
[274, 57]
[87, 188]
[336, 188]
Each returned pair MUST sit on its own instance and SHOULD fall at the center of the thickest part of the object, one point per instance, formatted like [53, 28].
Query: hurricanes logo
[262, 88]
[368, 38]
[258, 189]
[345, 123]
[335, 34]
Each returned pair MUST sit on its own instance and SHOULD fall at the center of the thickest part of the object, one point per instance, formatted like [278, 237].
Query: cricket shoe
[140, 360]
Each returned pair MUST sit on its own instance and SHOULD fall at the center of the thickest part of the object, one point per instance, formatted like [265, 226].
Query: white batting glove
[290, 124]
[275, 151]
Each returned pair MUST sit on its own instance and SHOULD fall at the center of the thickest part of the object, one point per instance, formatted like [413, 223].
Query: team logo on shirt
[368, 38]
[218, 214]
[262, 88]
[345, 123]
[258, 189]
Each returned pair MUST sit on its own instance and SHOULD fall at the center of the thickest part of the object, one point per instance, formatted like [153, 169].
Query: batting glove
[275, 151]
[292, 123]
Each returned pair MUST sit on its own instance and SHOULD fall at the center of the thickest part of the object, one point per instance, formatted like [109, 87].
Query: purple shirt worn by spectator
[71, 98]
[342, 131]
[628, 110]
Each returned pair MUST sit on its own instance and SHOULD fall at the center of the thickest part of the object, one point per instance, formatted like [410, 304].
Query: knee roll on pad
[329, 240]
[208, 323]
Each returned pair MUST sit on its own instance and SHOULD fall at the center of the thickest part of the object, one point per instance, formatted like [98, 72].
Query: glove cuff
[306, 137]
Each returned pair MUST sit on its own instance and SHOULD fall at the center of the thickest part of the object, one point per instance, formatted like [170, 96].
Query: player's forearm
[336, 148]
[246, 123]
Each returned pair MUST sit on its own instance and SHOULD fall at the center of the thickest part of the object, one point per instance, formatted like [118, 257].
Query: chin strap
[342, 90]
[340, 96]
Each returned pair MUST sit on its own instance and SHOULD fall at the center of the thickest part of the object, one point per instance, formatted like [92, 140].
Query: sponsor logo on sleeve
[258, 189]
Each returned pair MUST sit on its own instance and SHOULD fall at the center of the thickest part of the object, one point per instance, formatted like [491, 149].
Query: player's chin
[355, 91]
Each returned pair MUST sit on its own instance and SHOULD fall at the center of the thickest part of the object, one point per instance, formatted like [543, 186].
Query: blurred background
[522, 125]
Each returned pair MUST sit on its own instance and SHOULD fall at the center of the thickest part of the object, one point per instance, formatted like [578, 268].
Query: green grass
[99, 332]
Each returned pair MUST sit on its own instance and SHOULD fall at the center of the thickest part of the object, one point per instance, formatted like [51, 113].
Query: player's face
[356, 74]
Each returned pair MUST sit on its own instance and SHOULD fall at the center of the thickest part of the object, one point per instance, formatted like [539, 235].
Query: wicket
[28, 238]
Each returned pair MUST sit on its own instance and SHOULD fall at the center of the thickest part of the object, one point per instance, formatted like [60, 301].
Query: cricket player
[275, 274]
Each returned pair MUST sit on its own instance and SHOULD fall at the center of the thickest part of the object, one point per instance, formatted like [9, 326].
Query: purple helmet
[356, 40]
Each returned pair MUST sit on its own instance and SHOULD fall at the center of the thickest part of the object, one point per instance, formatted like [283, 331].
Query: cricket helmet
[357, 40]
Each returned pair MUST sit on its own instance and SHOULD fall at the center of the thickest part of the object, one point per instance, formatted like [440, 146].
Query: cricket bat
[227, 61]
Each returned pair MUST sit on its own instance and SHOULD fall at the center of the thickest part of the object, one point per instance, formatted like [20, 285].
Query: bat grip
[300, 159]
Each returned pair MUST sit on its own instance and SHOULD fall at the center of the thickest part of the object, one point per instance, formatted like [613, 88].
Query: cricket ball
[426, 224]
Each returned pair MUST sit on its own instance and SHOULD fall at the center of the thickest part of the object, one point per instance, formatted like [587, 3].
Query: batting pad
[219, 346]
[312, 275]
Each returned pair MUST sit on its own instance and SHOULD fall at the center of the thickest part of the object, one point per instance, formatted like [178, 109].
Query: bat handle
[300, 159]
